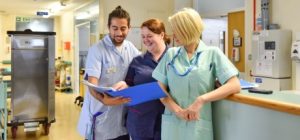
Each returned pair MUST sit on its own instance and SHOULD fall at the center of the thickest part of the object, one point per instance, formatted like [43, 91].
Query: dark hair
[156, 26]
[119, 13]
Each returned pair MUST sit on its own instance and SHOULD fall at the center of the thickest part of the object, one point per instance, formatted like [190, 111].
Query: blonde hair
[187, 25]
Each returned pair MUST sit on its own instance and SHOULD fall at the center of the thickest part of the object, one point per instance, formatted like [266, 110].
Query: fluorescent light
[56, 7]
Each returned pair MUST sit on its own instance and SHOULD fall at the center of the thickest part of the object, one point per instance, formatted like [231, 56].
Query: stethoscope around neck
[193, 64]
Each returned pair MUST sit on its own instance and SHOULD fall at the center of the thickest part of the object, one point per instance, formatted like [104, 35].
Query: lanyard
[193, 64]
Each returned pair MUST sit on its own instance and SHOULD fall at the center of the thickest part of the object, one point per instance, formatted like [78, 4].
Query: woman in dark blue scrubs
[144, 120]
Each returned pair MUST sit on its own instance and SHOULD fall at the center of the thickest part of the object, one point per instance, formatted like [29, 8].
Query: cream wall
[2, 46]
[248, 36]
[66, 34]
[7, 23]
[57, 30]
[65, 26]
[284, 13]
[139, 10]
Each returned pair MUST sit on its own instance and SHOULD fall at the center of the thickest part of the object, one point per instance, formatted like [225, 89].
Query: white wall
[84, 35]
[179, 4]
[210, 8]
[212, 29]
[283, 13]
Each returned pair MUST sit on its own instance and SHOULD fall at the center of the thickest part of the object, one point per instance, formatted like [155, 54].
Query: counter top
[284, 101]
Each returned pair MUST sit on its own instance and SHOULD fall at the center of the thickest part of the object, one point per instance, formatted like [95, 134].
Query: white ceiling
[30, 7]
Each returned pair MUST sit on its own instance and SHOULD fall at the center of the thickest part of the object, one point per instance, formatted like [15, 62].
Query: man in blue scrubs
[102, 116]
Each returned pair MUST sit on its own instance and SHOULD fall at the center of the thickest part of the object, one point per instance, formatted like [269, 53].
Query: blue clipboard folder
[247, 85]
[140, 93]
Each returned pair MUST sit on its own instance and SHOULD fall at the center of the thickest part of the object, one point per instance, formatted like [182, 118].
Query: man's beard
[117, 43]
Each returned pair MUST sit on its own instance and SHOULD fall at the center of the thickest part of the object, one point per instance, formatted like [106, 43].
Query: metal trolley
[3, 110]
[32, 87]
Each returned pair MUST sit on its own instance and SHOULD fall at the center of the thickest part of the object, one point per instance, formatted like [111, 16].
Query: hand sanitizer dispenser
[295, 55]
[295, 51]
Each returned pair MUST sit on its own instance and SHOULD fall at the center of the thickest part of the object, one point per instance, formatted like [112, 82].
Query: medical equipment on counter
[272, 66]
[235, 54]
[32, 98]
[265, 14]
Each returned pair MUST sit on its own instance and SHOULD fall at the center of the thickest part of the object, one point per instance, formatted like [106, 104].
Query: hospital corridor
[67, 114]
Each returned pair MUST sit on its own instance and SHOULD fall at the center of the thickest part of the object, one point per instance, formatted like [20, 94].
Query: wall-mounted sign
[237, 41]
[22, 19]
[39, 13]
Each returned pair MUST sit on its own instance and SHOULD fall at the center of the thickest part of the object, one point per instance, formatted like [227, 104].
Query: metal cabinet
[32, 80]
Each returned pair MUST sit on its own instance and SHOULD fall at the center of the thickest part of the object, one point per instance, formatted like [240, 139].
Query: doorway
[82, 44]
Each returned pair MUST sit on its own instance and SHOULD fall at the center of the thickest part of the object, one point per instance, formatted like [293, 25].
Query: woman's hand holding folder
[108, 100]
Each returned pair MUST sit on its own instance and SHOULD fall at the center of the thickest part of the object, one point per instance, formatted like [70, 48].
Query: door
[236, 45]
[82, 37]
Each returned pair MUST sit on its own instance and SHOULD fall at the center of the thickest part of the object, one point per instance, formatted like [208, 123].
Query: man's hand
[108, 100]
[112, 101]
[95, 94]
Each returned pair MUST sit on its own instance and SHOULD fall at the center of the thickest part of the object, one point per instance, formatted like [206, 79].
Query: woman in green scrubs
[188, 74]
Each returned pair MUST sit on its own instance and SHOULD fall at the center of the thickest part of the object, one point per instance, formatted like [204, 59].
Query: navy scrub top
[143, 120]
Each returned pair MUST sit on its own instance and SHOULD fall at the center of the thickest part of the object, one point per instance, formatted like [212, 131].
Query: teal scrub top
[211, 64]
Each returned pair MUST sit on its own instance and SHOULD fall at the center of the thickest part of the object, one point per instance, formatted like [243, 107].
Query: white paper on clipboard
[97, 88]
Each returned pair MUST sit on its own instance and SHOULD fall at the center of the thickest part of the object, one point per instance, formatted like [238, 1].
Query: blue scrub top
[143, 120]
[110, 65]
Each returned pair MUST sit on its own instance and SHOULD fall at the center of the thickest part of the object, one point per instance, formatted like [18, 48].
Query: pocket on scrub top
[176, 129]
[108, 70]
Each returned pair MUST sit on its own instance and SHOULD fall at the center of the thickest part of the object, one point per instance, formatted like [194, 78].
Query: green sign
[22, 19]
